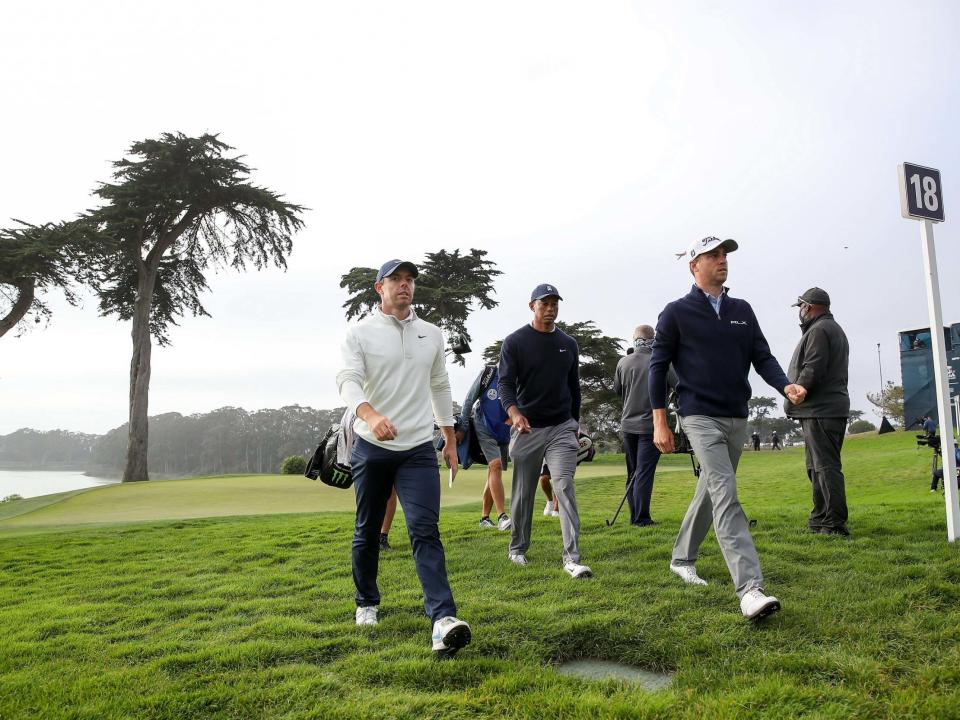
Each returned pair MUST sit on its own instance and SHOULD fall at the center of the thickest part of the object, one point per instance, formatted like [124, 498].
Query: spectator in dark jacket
[819, 364]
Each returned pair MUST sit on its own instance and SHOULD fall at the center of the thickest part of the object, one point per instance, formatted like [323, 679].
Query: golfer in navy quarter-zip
[712, 339]
[711, 352]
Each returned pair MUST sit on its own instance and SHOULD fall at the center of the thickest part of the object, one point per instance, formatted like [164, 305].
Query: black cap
[813, 296]
[544, 290]
[391, 266]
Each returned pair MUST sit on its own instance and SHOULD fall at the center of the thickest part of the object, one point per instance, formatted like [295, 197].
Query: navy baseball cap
[544, 290]
[391, 266]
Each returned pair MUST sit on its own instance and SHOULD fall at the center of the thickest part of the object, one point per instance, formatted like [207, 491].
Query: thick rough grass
[252, 617]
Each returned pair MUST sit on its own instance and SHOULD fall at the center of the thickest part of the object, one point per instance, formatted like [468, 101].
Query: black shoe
[835, 531]
[645, 523]
[384, 542]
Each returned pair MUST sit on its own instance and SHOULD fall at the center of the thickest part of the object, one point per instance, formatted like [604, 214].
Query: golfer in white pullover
[394, 378]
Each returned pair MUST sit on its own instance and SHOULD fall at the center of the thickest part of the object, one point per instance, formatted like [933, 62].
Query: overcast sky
[581, 144]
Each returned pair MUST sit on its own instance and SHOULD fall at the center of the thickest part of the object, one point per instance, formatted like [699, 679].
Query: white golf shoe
[756, 604]
[687, 573]
[367, 615]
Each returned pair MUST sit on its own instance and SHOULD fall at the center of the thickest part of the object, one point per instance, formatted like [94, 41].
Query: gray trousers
[823, 440]
[557, 445]
[718, 443]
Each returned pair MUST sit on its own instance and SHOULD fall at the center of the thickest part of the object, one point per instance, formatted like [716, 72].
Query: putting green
[231, 495]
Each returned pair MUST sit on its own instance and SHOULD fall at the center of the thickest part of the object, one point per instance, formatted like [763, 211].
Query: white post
[942, 381]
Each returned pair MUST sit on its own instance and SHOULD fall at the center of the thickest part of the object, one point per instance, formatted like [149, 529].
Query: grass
[218, 496]
[251, 616]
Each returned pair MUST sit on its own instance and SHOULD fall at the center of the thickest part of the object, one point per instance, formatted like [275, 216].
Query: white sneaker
[548, 509]
[576, 570]
[449, 635]
[755, 604]
[367, 615]
[486, 523]
[555, 513]
[687, 573]
[503, 522]
[518, 558]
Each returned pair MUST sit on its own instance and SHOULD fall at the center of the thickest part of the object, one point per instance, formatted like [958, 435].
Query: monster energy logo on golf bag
[323, 466]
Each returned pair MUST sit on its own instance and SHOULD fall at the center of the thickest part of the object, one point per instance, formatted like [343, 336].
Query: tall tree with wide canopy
[35, 259]
[448, 286]
[177, 207]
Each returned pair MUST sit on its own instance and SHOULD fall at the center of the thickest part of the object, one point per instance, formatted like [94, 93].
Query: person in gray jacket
[636, 424]
[819, 364]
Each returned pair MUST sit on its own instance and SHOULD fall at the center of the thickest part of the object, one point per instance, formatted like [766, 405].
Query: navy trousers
[642, 458]
[416, 476]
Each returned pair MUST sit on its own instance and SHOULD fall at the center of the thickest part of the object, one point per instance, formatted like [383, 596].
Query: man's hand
[662, 434]
[379, 425]
[795, 393]
[449, 451]
[518, 420]
[450, 457]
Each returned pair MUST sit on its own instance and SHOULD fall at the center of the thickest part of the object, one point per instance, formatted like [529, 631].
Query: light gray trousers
[718, 443]
[557, 445]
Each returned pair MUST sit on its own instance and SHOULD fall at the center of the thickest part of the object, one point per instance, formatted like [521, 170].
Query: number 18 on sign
[921, 199]
[920, 195]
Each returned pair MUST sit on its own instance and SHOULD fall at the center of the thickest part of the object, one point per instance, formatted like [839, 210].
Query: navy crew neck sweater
[540, 374]
[711, 355]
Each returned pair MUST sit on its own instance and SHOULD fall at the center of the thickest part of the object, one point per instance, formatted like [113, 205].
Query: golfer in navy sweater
[712, 340]
[540, 390]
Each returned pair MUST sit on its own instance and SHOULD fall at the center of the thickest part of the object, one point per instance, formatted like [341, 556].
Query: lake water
[31, 483]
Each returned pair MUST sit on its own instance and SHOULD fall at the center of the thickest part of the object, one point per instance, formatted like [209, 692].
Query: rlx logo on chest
[738, 322]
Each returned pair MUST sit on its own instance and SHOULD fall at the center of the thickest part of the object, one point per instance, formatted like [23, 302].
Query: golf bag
[330, 463]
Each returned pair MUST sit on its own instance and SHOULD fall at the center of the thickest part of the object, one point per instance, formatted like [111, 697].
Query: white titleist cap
[699, 247]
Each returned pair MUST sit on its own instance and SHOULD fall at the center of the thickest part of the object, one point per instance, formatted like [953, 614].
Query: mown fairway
[252, 616]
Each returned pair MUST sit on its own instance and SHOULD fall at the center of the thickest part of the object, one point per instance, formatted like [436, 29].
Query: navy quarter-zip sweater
[711, 356]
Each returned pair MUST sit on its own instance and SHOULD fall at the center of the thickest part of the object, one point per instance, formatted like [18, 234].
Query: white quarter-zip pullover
[399, 368]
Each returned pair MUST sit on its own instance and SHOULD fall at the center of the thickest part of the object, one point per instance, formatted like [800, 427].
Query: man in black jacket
[819, 364]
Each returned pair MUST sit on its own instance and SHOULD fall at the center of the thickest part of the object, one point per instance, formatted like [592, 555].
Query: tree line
[226, 440]
[234, 440]
[50, 450]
